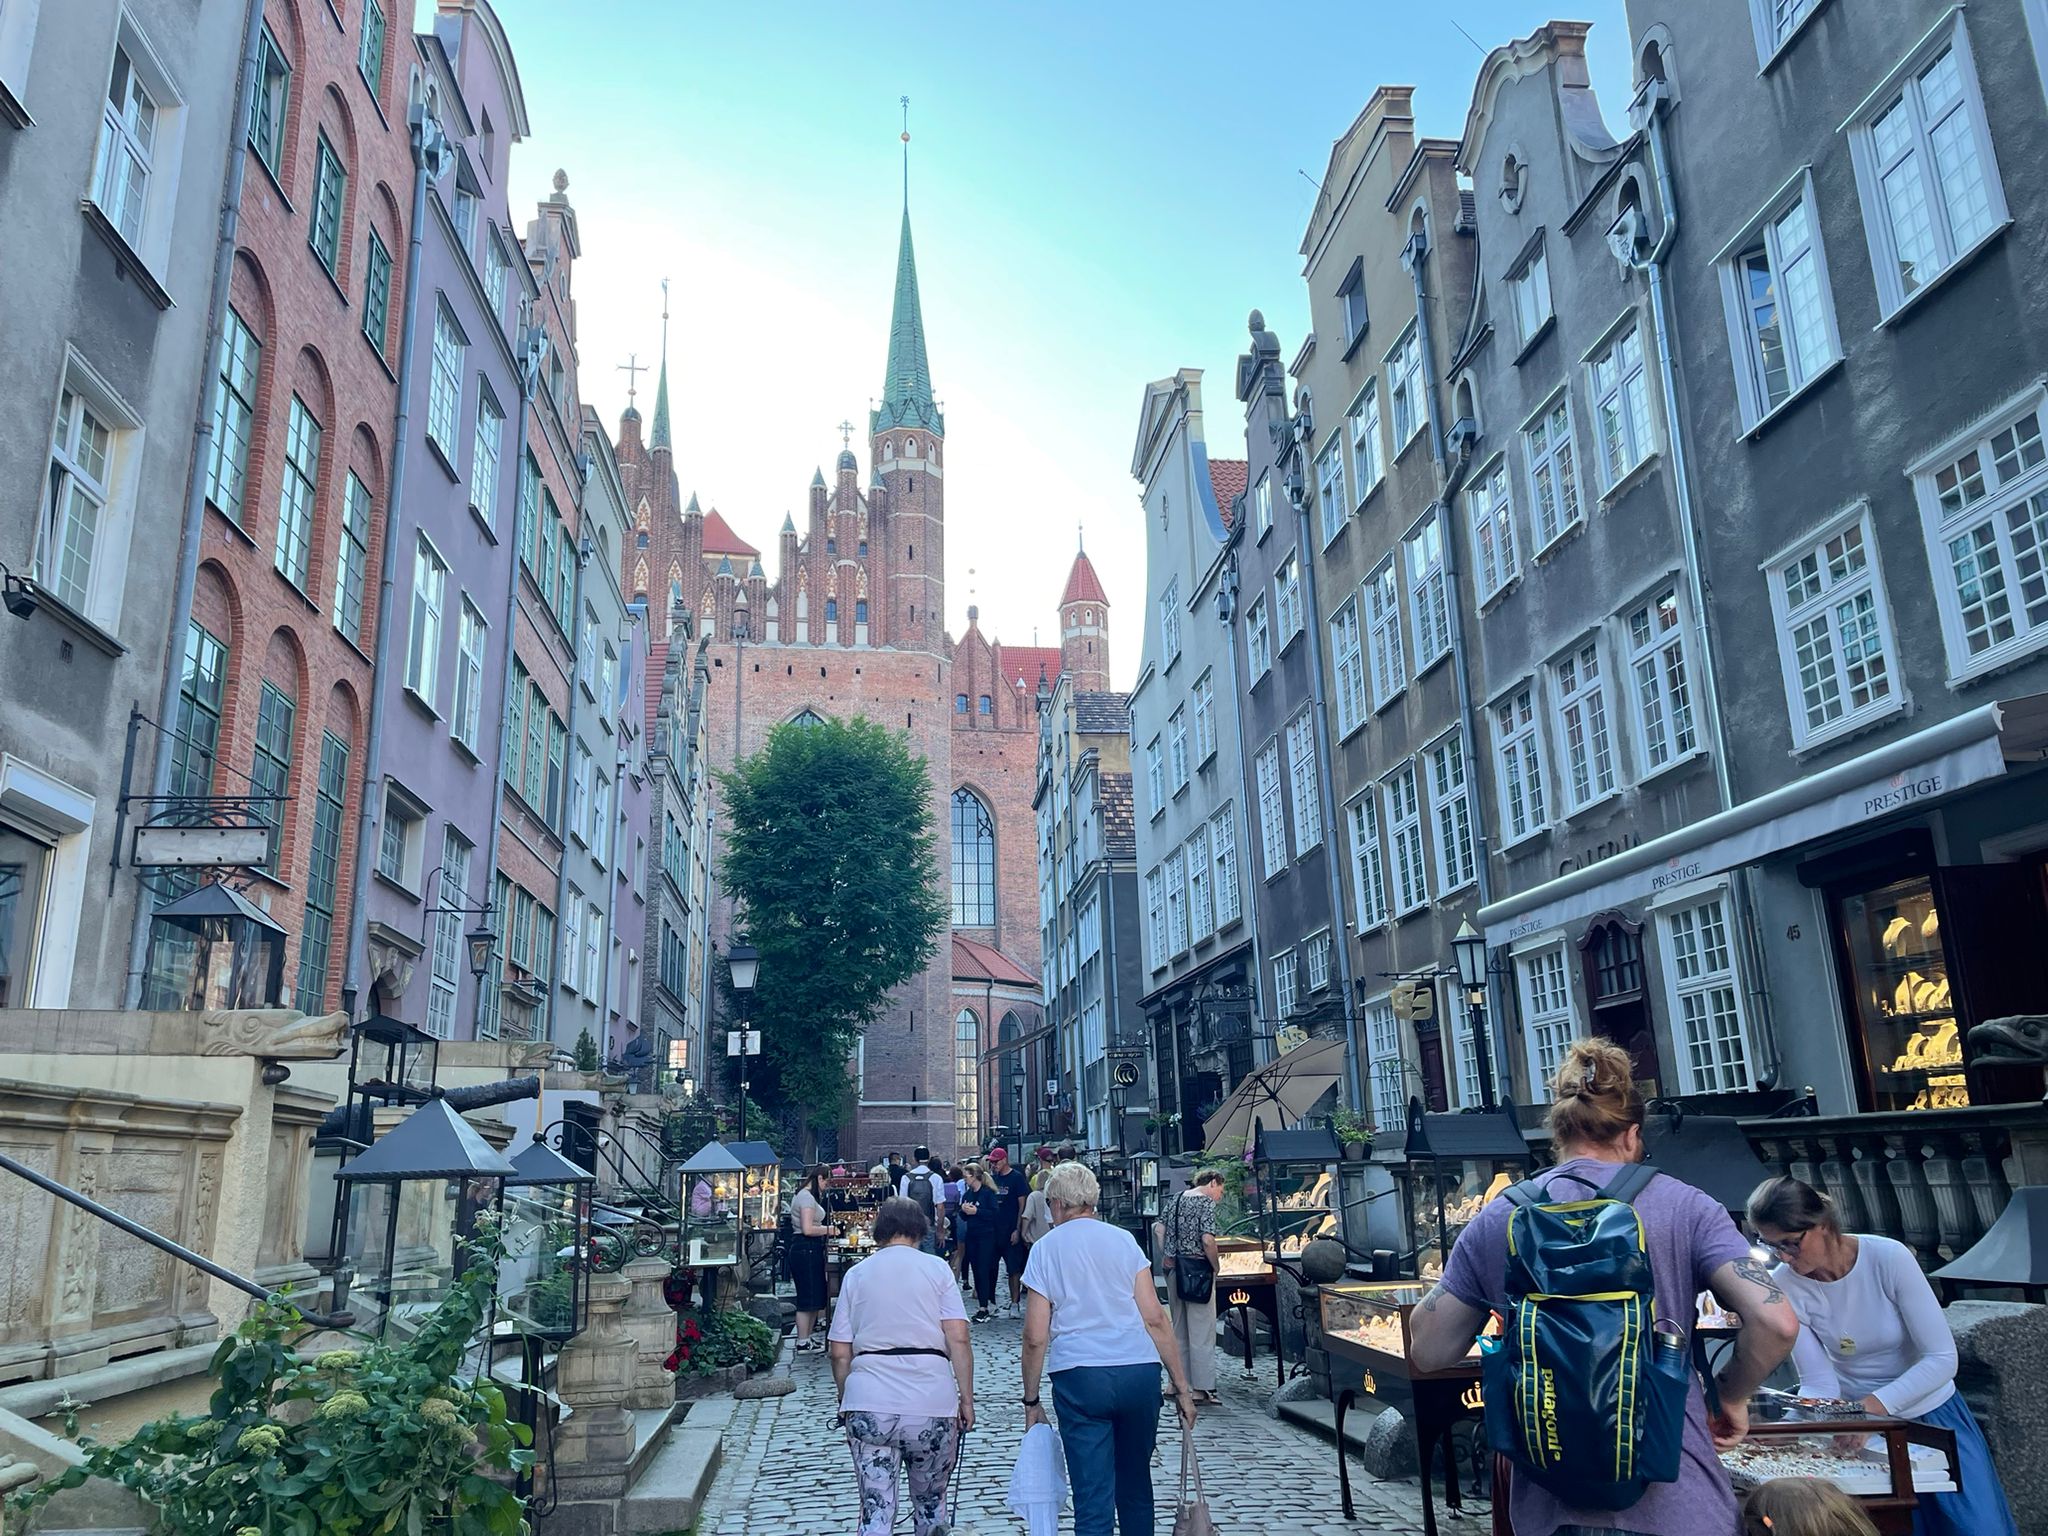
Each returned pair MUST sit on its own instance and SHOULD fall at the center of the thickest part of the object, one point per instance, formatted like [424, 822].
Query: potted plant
[1354, 1132]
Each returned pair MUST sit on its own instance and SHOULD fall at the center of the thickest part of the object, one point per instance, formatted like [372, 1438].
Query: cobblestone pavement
[787, 1472]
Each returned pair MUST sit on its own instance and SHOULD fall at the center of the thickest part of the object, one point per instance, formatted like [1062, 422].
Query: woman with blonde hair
[1596, 1127]
[1802, 1506]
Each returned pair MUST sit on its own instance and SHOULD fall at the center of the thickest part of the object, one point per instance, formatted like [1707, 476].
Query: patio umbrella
[1279, 1093]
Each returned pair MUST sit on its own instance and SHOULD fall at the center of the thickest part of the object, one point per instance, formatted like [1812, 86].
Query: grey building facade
[1591, 671]
[1201, 975]
[115, 128]
[671, 975]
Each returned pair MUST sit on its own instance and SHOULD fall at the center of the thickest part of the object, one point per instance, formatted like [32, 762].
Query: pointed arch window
[807, 718]
[974, 862]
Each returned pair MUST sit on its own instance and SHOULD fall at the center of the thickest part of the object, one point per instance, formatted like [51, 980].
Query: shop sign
[1902, 790]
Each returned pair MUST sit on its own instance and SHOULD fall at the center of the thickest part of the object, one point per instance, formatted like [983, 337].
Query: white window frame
[1347, 659]
[1550, 1017]
[1389, 663]
[38, 801]
[496, 269]
[1169, 621]
[1980, 487]
[1624, 421]
[1287, 618]
[1204, 695]
[1529, 295]
[1406, 409]
[1258, 643]
[1902, 85]
[1807, 356]
[1352, 308]
[1429, 612]
[1408, 861]
[1368, 862]
[423, 625]
[1777, 23]
[1703, 987]
[1578, 702]
[17, 43]
[1518, 762]
[1228, 882]
[110, 488]
[1490, 507]
[485, 454]
[1155, 919]
[444, 381]
[1450, 812]
[1662, 701]
[1826, 604]
[1316, 971]
[471, 643]
[1368, 457]
[1300, 740]
[1176, 902]
[1284, 991]
[1201, 885]
[1272, 812]
[352, 559]
[1262, 507]
[148, 233]
[1331, 505]
[1386, 1074]
[1155, 775]
[1177, 747]
[1553, 467]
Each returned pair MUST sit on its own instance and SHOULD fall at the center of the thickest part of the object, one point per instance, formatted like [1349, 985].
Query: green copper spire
[660, 437]
[907, 383]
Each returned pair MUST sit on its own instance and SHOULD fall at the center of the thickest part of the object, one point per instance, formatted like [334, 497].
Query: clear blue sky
[1100, 193]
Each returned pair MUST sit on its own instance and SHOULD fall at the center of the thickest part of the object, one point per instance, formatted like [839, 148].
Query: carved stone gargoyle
[276, 1034]
[2019, 1040]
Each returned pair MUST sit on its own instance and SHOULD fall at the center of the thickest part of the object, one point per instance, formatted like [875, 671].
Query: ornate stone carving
[282, 1034]
[205, 1196]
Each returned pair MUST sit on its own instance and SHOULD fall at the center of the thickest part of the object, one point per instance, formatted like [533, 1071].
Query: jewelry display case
[1456, 1163]
[1884, 1464]
[1367, 1321]
[1296, 1189]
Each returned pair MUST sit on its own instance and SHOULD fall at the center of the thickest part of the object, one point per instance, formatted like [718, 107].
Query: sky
[1100, 193]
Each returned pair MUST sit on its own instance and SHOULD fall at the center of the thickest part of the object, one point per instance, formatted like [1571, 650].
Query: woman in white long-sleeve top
[1871, 1330]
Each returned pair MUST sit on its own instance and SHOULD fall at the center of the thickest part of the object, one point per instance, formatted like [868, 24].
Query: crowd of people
[1852, 1312]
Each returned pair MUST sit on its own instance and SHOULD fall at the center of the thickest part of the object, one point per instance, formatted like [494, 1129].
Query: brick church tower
[1084, 628]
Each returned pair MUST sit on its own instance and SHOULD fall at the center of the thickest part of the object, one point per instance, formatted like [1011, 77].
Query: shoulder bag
[1194, 1277]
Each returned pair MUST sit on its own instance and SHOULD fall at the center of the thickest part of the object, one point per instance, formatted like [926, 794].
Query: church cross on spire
[632, 368]
[907, 380]
[659, 437]
[846, 430]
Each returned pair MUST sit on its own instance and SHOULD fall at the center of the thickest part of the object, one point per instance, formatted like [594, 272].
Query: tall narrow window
[1155, 918]
[1301, 779]
[234, 409]
[1348, 656]
[558, 770]
[295, 496]
[1223, 849]
[197, 737]
[483, 460]
[1176, 903]
[974, 862]
[1451, 807]
[1985, 514]
[1552, 476]
[1155, 775]
[1428, 601]
[1368, 868]
[1283, 984]
[1169, 620]
[1780, 296]
[1493, 530]
[1404, 388]
[267, 111]
[1201, 886]
[1663, 690]
[1385, 1083]
[1177, 747]
[1834, 635]
[423, 647]
[1530, 288]
[1287, 618]
[352, 560]
[466, 724]
[1383, 635]
[967, 1078]
[1547, 1012]
[1582, 726]
[1262, 507]
[376, 293]
[444, 382]
[1205, 718]
[1258, 642]
[449, 953]
[1330, 495]
[1272, 816]
[1706, 1002]
[120, 182]
[1404, 832]
[1518, 756]
[330, 191]
[370, 50]
[1366, 468]
[270, 773]
[80, 456]
[1621, 406]
[316, 932]
[496, 268]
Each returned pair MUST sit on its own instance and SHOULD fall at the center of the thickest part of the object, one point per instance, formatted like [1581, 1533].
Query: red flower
[691, 1330]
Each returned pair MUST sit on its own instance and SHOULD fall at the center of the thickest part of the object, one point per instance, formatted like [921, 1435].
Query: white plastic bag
[1038, 1488]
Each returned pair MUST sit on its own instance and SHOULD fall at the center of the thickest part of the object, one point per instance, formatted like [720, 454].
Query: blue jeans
[1109, 1421]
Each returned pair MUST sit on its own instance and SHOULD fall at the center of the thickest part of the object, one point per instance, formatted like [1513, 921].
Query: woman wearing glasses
[1871, 1329]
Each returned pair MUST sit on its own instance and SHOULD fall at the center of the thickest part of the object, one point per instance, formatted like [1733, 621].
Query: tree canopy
[831, 857]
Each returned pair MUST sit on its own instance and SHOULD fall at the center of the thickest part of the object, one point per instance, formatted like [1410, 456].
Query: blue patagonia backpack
[1582, 1393]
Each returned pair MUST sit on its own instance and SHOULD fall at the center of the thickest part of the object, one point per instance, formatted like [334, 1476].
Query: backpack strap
[1629, 1183]
[1526, 1193]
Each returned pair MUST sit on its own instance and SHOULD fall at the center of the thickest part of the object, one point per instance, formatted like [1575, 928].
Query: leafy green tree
[831, 854]
[586, 1051]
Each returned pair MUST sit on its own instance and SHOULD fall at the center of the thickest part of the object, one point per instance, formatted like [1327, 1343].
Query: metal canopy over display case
[1708, 1152]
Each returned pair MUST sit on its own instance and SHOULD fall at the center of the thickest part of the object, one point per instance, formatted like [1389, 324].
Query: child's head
[1797, 1506]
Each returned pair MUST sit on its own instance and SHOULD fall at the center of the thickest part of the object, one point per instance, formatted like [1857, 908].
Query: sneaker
[982, 1316]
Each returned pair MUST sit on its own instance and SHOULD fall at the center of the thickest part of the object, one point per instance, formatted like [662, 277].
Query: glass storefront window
[1912, 1045]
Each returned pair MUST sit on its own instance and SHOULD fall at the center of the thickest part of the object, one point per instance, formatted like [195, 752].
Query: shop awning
[1900, 774]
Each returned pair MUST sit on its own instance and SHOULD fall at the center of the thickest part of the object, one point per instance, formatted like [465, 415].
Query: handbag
[1191, 1515]
[1194, 1277]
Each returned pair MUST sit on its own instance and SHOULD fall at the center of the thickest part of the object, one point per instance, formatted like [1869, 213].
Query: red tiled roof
[1228, 477]
[1020, 664]
[975, 961]
[719, 539]
[1083, 585]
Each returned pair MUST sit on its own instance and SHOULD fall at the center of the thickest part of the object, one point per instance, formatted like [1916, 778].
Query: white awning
[1928, 764]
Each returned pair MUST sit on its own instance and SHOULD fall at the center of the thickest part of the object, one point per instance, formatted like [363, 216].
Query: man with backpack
[925, 1184]
[1589, 1393]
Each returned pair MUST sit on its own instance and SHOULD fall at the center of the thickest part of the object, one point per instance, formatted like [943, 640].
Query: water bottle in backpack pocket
[1583, 1393]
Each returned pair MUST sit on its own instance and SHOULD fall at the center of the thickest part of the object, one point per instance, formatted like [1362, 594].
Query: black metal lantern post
[1469, 950]
[213, 948]
[744, 963]
[547, 1218]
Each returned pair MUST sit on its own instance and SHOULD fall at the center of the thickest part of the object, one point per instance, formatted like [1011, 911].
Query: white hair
[1073, 1186]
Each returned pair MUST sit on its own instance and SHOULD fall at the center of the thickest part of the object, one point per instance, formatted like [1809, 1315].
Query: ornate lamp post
[744, 963]
[1469, 950]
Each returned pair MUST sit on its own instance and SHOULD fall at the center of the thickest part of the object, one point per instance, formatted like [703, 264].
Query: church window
[974, 862]
[959, 703]
[807, 718]
[831, 610]
[640, 539]
[863, 549]
[860, 610]
[910, 445]
[988, 705]
[911, 552]
[831, 546]
[888, 448]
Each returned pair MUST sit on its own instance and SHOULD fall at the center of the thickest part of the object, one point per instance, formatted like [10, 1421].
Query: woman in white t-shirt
[1092, 1320]
[905, 1371]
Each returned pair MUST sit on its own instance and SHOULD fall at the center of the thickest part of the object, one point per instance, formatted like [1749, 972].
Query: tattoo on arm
[1435, 1295]
[1754, 1272]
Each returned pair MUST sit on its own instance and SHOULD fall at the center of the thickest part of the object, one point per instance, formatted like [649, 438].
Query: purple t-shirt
[1690, 1237]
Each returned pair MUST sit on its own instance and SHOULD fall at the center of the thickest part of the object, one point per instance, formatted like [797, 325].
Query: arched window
[1010, 1067]
[967, 1078]
[974, 863]
[808, 718]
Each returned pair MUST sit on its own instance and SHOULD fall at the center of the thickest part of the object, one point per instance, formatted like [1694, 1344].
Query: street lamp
[743, 962]
[1468, 949]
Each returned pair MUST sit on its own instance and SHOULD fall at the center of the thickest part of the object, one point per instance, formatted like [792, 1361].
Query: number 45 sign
[743, 1042]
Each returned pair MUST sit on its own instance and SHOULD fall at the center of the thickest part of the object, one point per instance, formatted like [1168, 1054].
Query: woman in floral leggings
[905, 1372]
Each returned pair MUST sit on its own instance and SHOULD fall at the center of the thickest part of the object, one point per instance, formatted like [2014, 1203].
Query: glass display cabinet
[1455, 1164]
[1884, 1464]
[1295, 1187]
[710, 1196]
[1367, 1321]
[759, 1193]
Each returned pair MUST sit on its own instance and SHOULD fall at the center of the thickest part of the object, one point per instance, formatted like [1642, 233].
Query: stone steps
[670, 1491]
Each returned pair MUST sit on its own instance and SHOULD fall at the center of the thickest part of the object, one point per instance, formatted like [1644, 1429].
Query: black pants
[983, 1254]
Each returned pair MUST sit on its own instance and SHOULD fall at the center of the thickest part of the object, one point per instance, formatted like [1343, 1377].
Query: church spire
[660, 437]
[907, 382]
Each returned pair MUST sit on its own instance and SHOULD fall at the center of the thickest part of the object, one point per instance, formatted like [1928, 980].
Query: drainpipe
[427, 143]
[1415, 258]
[1301, 426]
[1249, 883]
[584, 550]
[1647, 111]
[533, 354]
[194, 532]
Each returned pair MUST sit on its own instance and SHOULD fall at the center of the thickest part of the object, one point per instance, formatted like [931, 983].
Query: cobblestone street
[787, 1472]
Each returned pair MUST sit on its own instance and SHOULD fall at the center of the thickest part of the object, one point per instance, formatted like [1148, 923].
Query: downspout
[424, 136]
[194, 532]
[584, 550]
[533, 352]
[1249, 885]
[1415, 257]
[1647, 110]
[1301, 425]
